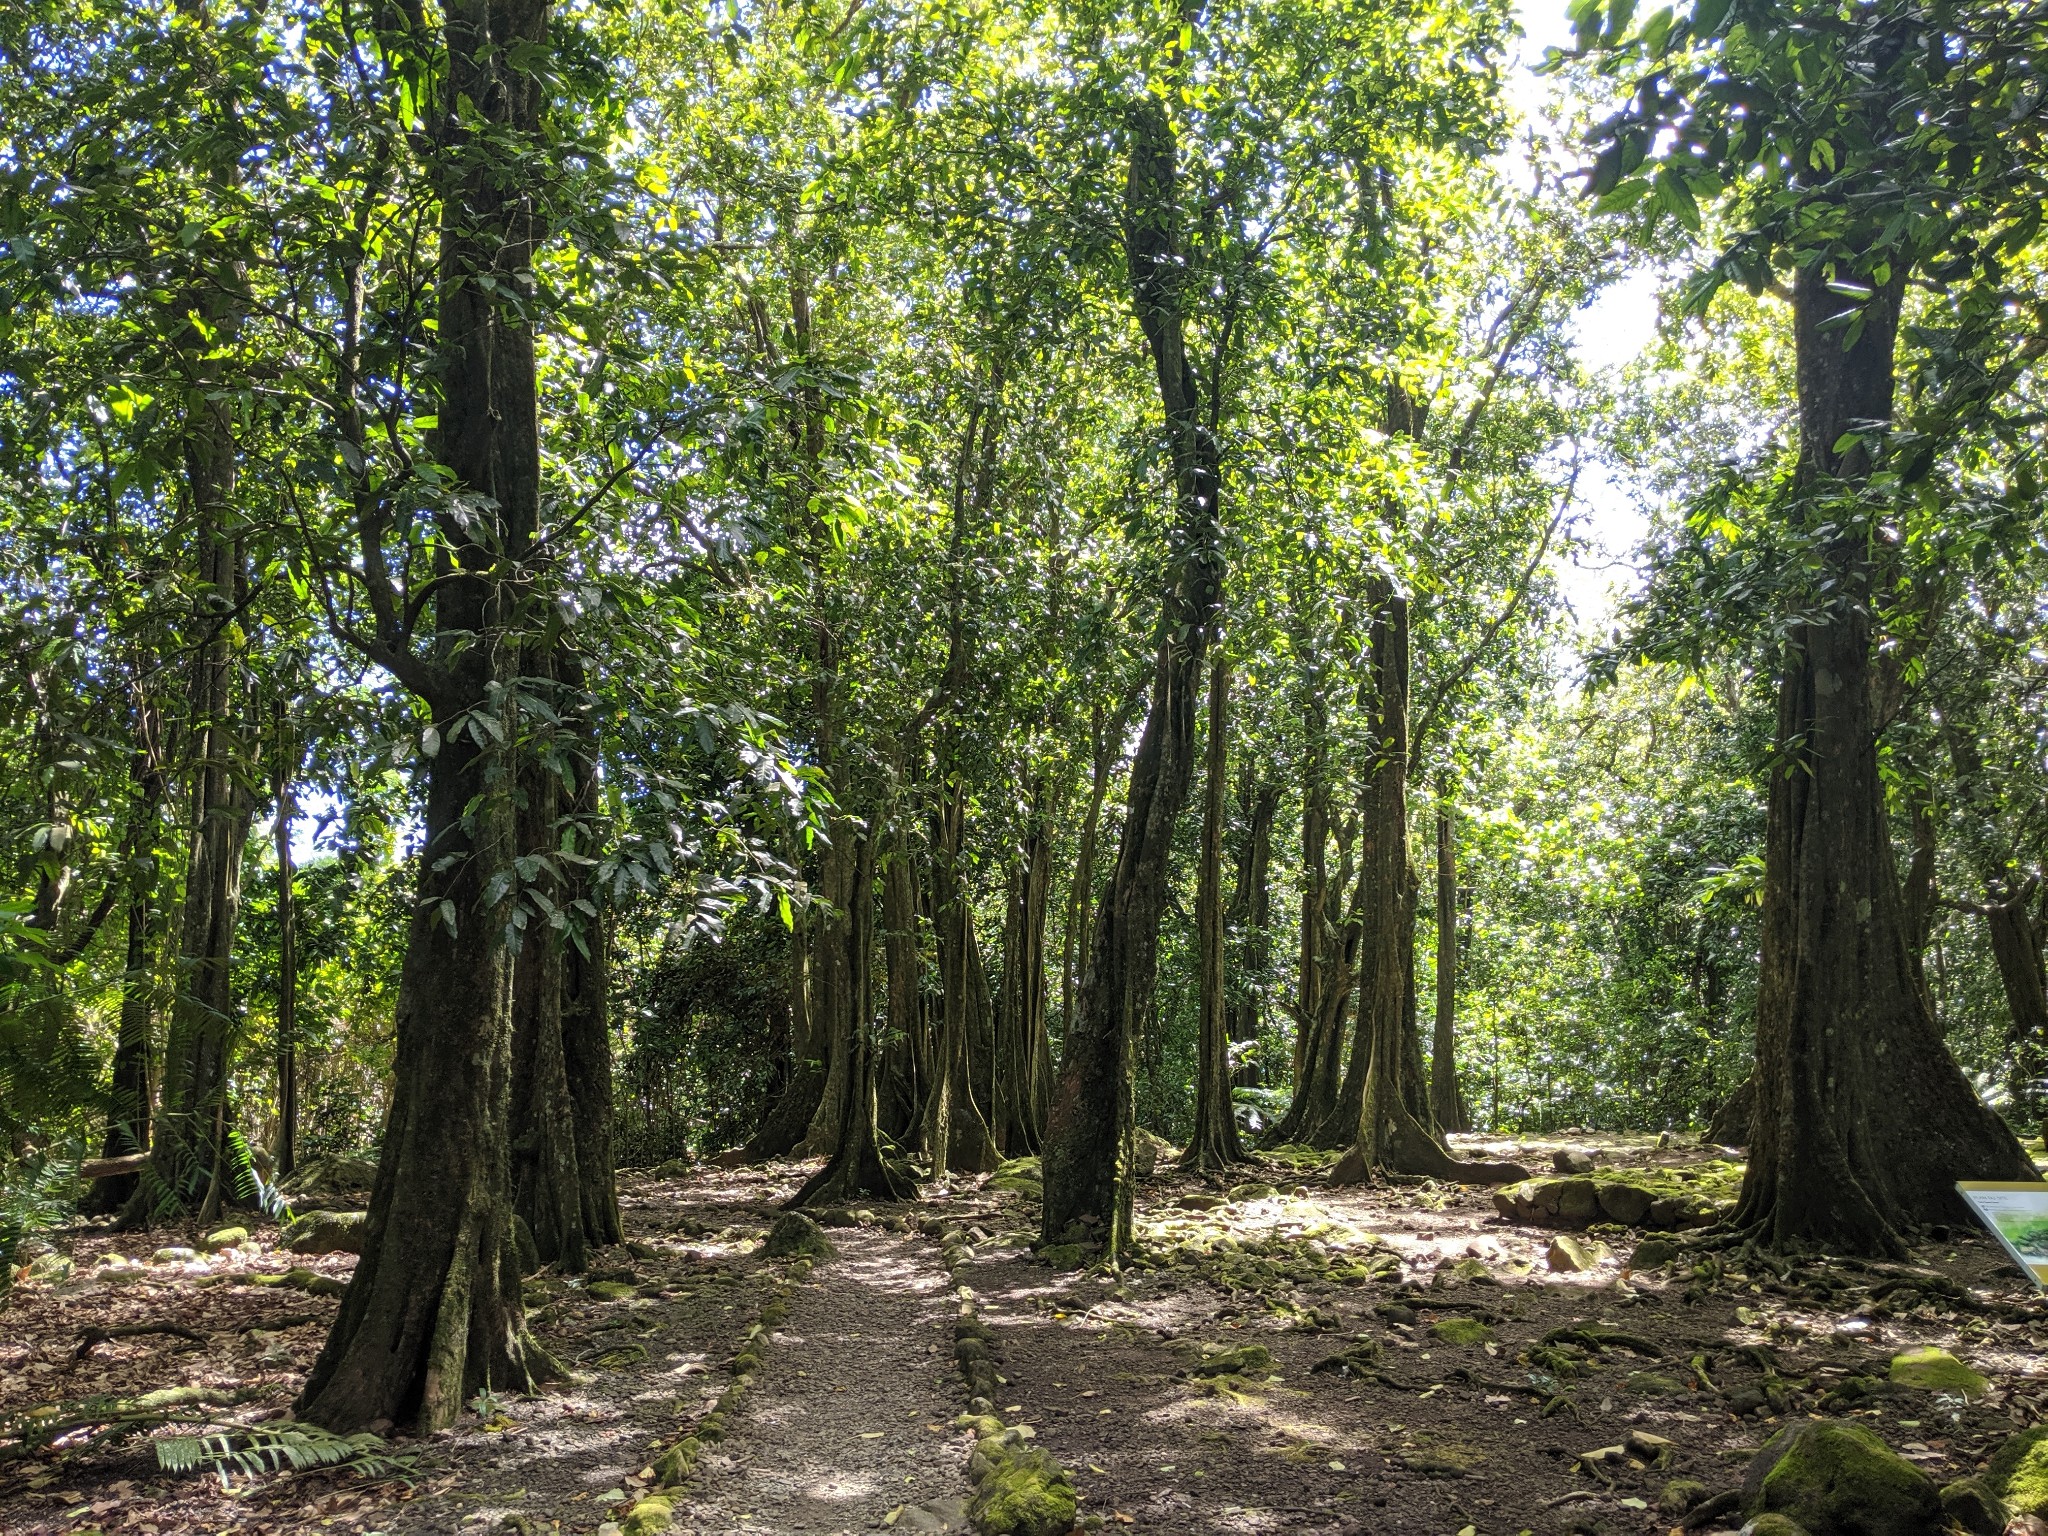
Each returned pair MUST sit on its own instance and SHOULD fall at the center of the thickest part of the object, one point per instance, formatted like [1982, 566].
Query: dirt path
[851, 1416]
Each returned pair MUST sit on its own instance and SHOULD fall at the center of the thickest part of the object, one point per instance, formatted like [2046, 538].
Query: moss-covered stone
[1681, 1495]
[325, 1232]
[1245, 1192]
[2018, 1472]
[675, 1464]
[1935, 1370]
[649, 1517]
[1246, 1359]
[1654, 1384]
[1021, 1491]
[608, 1290]
[225, 1237]
[1970, 1503]
[1653, 1253]
[796, 1236]
[1840, 1480]
[1774, 1525]
[1066, 1255]
[1464, 1332]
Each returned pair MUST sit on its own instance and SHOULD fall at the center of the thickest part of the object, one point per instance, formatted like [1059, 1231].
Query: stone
[1774, 1525]
[1971, 1504]
[1464, 1332]
[226, 1237]
[1930, 1369]
[330, 1176]
[1654, 1384]
[1019, 1490]
[1152, 1150]
[795, 1235]
[1242, 1361]
[173, 1256]
[1653, 1253]
[2018, 1473]
[608, 1290]
[1247, 1192]
[837, 1217]
[1572, 1160]
[1067, 1255]
[1681, 1495]
[1573, 1256]
[1628, 1204]
[1577, 1201]
[648, 1517]
[1200, 1202]
[325, 1232]
[1840, 1480]
[50, 1268]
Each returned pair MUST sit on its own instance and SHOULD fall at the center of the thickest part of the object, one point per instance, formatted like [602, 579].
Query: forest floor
[1282, 1356]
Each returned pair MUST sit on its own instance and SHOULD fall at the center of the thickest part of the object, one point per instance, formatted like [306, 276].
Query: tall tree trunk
[832, 998]
[1390, 1135]
[1251, 915]
[2016, 950]
[856, 1166]
[1447, 1101]
[547, 1186]
[433, 1313]
[1020, 1009]
[906, 1070]
[190, 1158]
[1315, 886]
[1090, 1141]
[586, 972]
[128, 1099]
[956, 1126]
[782, 1129]
[1214, 1143]
[287, 952]
[1863, 1121]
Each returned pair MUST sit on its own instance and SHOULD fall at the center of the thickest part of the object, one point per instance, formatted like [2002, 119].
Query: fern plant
[274, 1447]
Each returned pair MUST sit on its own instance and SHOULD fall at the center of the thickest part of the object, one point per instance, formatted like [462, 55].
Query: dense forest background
[838, 538]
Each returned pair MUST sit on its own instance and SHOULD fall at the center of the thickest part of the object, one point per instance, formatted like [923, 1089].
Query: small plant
[274, 1447]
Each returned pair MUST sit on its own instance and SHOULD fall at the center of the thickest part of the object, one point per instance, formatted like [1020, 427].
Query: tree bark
[1020, 1086]
[1090, 1142]
[956, 1124]
[1863, 1120]
[1251, 916]
[287, 954]
[1214, 1143]
[586, 973]
[1390, 1136]
[906, 1059]
[2016, 950]
[857, 1166]
[433, 1313]
[1446, 1100]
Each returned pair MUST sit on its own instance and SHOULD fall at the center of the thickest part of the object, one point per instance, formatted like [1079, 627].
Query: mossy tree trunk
[1090, 1141]
[1251, 919]
[1214, 1142]
[1863, 1121]
[1446, 1099]
[433, 1312]
[857, 1166]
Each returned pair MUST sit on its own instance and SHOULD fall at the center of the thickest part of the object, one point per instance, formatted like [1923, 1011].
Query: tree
[1868, 149]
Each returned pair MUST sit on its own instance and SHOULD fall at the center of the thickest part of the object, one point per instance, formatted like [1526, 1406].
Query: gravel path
[852, 1414]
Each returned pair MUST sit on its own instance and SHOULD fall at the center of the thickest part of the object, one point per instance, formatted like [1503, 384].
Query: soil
[850, 1422]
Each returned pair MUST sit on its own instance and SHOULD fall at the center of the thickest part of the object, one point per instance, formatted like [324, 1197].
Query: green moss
[649, 1517]
[1066, 1255]
[226, 1237]
[1840, 1480]
[1024, 1492]
[1465, 1332]
[608, 1290]
[1681, 1495]
[1253, 1192]
[795, 1236]
[1935, 1370]
[2019, 1471]
[1969, 1502]
[1244, 1360]
[1774, 1525]
[677, 1462]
